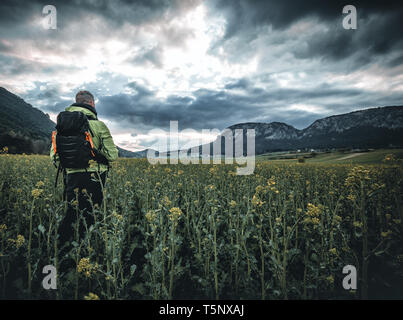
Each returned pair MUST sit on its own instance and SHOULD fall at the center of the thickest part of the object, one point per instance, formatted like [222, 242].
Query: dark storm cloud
[151, 56]
[57, 107]
[239, 84]
[368, 40]
[4, 47]
[14, 12]
[396, 61]
[142, 109]
[219, 109]
[379, 27]
[12, 66]
[280, 14]
[98, 20]
[141, 91]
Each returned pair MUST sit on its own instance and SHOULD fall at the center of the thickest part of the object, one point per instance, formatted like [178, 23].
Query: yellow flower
[92, 163]
[3, 227]
[128, 184]
[330, 279]
[40, 184]
[356, 176]
[175, 214]
[386, 234]
[337, 219]
[166, 202]
[18, 242]
[333, 251]
[209, 187]
[117, 216]
[259, 188]
[315, 220]
[256, 201]
[314, 211]
[271, 182]
[312, 214]
[232, 204]
[36, 193]
[84, 266]
[150, 216]
[91, 296]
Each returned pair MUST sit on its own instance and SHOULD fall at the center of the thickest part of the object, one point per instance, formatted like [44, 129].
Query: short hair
[84, 97]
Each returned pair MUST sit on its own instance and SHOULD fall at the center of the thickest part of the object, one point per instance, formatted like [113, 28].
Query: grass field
[202, 232]
[337, 157]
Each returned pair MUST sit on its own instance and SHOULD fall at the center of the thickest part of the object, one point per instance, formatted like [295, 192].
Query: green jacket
[102, 136]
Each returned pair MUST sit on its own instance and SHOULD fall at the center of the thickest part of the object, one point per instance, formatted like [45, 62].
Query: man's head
[85, 97]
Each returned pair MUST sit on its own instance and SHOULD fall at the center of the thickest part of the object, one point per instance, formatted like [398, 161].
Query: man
[83, 184]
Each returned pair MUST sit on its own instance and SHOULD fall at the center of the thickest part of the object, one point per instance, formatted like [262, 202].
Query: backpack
[73, 143]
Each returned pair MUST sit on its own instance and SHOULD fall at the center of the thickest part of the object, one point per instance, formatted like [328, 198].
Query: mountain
[130, 154]
[370, 128]
[25, 129]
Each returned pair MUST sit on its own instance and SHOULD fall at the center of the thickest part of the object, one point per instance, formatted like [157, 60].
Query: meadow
[202, 232]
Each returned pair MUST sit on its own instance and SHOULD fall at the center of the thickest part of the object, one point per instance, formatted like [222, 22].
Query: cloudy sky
[207, 64]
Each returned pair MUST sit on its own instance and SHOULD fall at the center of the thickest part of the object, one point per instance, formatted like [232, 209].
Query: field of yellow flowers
[202, 232]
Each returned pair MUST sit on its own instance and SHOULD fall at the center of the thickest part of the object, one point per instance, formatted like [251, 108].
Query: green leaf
[133, 269]
[41, 228]
[378, 253]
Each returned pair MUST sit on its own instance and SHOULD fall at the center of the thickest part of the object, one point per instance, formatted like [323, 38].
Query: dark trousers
[75, 183]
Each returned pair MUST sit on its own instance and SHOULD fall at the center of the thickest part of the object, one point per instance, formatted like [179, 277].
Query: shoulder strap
[59, 168]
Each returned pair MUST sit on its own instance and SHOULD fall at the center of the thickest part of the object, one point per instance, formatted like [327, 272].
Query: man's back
[101, 137]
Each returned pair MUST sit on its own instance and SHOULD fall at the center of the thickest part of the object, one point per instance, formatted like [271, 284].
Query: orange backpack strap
[54, 140]
[89, 139]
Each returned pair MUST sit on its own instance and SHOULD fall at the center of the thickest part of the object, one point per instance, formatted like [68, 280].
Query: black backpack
[73, 142]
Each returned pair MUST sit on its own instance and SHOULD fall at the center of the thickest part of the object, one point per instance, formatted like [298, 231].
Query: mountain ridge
[24, 128]
[374, 127]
